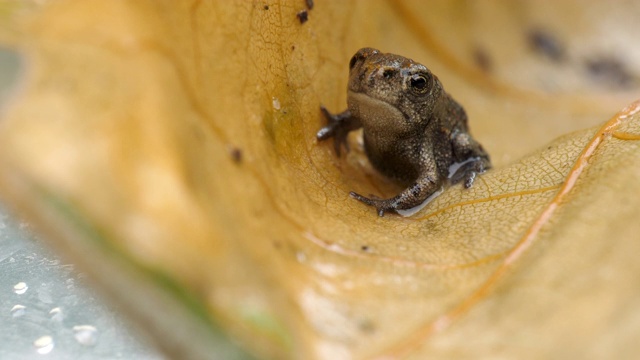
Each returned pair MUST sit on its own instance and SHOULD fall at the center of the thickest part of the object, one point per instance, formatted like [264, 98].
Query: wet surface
[48, 309]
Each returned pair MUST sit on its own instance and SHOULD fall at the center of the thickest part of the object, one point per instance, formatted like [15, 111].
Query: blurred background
[47, 308]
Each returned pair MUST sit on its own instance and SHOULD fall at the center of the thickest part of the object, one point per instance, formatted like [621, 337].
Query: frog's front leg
[338, 127]
[471, 157]
[409, 198]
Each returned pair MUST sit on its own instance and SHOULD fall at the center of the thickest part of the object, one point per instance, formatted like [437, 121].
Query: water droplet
[44, 344]
[86, 335]
[18, 310]
[301, 257]
[56, 314]
[20, 288]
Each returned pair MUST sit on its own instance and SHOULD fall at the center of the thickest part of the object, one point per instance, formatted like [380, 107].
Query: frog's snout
[361, 55]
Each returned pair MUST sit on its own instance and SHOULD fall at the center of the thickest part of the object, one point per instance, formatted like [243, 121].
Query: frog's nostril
[388, 73]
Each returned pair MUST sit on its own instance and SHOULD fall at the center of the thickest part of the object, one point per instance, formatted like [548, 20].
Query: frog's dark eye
[419, 84]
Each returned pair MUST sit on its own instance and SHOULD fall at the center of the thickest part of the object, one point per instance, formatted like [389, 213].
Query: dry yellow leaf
[169, 148]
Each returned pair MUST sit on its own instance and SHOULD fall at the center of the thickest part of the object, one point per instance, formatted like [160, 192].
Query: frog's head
[400, 91]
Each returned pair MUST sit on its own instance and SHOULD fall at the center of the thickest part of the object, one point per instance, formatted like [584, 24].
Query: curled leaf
[170, 149]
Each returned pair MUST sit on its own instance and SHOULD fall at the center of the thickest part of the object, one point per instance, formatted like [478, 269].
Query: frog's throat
[377, 115]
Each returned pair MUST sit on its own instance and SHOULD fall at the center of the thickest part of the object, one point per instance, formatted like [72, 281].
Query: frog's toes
[381, 205]
[470, 177]
[334, 129]
[468, 172]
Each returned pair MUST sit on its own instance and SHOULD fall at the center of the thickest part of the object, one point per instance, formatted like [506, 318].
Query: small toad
[413, 131]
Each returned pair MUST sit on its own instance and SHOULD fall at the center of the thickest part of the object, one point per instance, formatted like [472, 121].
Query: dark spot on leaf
[610, 72]
[236, 154]
[364, 248]
[366, 326]
[266, 7]
[309, 4]
[293, 47]
[303, 16]
[482, 59]
[545, 44]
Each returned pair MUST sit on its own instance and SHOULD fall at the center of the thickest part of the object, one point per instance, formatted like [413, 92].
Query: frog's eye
[353, 60]
[419, 84]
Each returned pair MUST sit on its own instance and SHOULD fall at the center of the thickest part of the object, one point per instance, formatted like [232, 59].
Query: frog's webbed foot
[381, 205]
[338, 127]
[468, 171]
